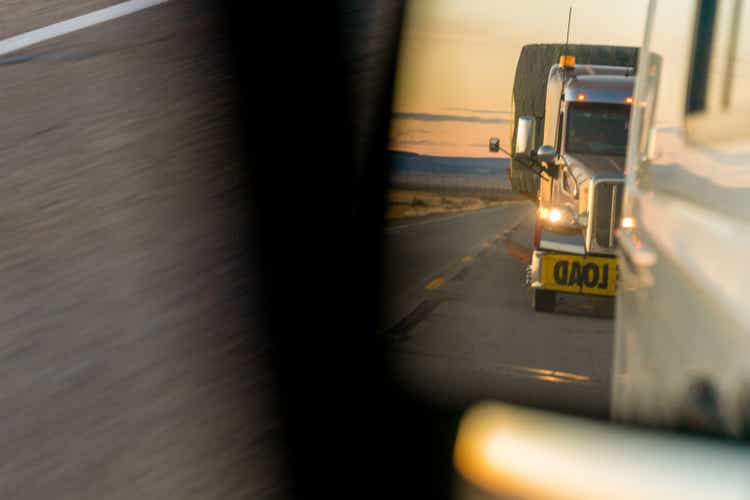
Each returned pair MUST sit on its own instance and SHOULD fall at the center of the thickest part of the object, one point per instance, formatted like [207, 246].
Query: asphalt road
[418, 251]
[124, 352]
[462, 324]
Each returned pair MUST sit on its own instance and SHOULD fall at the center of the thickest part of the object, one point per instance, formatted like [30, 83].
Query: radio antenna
[565, 49]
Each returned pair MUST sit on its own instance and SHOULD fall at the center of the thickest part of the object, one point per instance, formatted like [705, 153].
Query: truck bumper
[534, 270]
[595, 275]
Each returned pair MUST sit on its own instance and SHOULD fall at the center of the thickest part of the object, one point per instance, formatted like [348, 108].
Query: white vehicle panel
[682, 315]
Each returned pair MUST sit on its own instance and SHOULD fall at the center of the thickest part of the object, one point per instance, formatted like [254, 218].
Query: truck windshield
[597, 128]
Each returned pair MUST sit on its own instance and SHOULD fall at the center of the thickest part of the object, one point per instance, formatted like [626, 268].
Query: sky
[457, 62]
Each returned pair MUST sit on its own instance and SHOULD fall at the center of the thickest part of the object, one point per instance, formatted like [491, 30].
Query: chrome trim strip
[535, 273]
[591, 245]
[565, 247]
[612, 208]
[562, 242]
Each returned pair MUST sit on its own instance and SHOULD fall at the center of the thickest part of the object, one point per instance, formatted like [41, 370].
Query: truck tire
[543, 300]
[609, 308]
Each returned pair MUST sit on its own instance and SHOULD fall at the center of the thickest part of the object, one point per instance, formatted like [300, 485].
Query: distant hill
[401, 162]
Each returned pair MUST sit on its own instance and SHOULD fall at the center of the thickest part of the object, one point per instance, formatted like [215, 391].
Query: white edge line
[436, 220]
[446, 218]
[33, 37]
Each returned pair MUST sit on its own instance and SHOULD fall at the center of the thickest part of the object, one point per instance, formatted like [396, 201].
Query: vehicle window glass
[718, 99]
[705, 21]
[736, 90]
[595, 128]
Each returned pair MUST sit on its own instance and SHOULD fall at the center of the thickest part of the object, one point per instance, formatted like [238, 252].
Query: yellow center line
[435, 284]
[549, 378]
[555, 373]
[467, 259]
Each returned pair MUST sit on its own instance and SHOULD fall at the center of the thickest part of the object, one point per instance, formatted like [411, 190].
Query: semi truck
[571, 127]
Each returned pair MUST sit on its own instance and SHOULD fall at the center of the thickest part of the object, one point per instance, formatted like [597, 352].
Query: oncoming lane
[420, 251]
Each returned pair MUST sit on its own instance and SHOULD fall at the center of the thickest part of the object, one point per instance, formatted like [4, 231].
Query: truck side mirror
[494, 144]
[546, 156]
[525, 135]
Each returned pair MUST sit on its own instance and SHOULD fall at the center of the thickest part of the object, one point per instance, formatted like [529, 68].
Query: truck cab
[585, 130]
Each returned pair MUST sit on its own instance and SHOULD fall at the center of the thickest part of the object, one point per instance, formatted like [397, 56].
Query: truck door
[546, 185]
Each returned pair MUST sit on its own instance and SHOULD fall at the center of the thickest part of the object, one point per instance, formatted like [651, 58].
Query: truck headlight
[627, 223]
[555, 215]
[559, 216]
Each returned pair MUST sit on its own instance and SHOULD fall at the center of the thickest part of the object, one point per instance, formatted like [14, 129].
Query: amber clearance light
[581, 97]
[567, 61]
[628, 100]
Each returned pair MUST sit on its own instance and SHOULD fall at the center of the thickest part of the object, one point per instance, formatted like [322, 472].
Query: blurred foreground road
[123, 338]
[462, 324]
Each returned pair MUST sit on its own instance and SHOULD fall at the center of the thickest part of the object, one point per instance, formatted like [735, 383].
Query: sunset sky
[458, 57]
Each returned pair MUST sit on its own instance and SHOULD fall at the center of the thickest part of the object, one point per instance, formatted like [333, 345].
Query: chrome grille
[607, 206]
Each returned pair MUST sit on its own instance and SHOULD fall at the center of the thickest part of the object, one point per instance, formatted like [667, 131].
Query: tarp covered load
[530, 88]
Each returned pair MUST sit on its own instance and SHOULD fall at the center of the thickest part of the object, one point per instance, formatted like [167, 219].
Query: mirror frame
[525, 136]
[546, 155]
